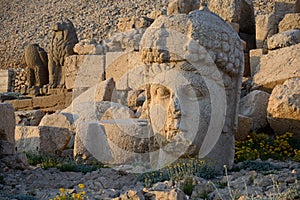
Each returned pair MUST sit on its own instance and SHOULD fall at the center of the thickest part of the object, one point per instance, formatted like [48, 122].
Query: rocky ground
[23, 23]
[253, 180]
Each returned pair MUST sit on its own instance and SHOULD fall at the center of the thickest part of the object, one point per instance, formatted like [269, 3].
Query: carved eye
[162, 92]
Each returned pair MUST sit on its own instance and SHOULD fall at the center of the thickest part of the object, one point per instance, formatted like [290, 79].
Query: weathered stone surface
[283, 7]
[255, 56]
[6, 81]
[284, 39]
[265, 27]
[284, 107]
[297, 6]
[7, 129]
[37, 65]
[63, 41]
[89, 47]
[24, 104]
[245, 124]
[254, 105]
[277, 66]
[88, 131]
[56, 120]
[229, 10]
[41, 139]
[50, 103]
[182, 6]
[127, 23]
[83, 71]
[174, 194]
[16, 161]
[289, 22]
[29, 118]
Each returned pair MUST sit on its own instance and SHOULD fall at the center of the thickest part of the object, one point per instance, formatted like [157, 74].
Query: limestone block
[265, 27]
[284, 39]
[6, 80]
[41, 139]
[229, 10]
[83, 71]
[89, 47]
[112, 57]
[24, 104]
[7, 129]
[49, 102]
[289, 22]
[283, 7]
[254, 105]
[277, 66]
[182, 6]
[255, 56]
[284, 107]
[245, 124]
[29, 118]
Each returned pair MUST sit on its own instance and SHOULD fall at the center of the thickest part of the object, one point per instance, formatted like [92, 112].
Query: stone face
[63, 41]
[277, 66]
[7, 129]
[83, 71]
[182, 6]
[29, 118]
[41, 139]
[284, 107]
[254, 106]
[265, 27]
[37, 65]
[89, 47]
[284, 39]
[229, 10]
[6, 80]
[245, 124]
[289, 22]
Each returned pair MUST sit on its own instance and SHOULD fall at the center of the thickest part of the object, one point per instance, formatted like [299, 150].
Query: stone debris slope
[24, 22]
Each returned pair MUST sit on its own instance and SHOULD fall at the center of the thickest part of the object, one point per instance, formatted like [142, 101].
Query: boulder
[182, 6]
[284, 107]
[276, 67]
[29, 118]
[289, 22]
[245, 124]
[7, 129]
[16, 161]
[284, 39]
[41, 139]
[174, 194]
[89, 47]
[83, 71]
[229, 10]
[254, 106]
[265, 27]
[56, 120]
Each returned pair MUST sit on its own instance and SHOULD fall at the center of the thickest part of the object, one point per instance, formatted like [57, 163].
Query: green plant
[179, 170]
[66, 195]
[188, 185]
[263, 146]
[63, 164]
